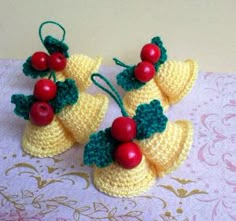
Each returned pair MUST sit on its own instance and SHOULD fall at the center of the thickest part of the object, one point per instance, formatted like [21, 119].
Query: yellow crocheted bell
[84, 117]
[167, 150]
[46, 141]
[117, 181]
[80, 67]
[176, 78]
[145, 94]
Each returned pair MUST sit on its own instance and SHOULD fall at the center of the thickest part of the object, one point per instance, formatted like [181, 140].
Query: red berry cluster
[41, 61]
[41, 113]
[145, 70]
[127, 154]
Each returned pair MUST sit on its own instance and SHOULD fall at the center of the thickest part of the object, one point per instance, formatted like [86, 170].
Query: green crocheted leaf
[149, 119]
[28, 70]
[100, 149]
[127, 80]
[67, 94]
[54, 45]
[23, 104]
[157, 41]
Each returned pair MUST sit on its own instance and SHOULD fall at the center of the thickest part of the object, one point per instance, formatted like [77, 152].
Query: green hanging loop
[51, 22]
[112, 92]
[120, 63]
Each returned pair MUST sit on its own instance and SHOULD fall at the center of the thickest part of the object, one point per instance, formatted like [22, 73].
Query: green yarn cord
[23, 104]
[149, 119]
[51, 22]
[67, 94]
[53, 44]
[100, 149]
[112, 92]
[120, 63]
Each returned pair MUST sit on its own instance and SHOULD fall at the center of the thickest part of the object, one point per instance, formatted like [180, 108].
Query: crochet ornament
[128, 156]
[58, 112]
[155, 78]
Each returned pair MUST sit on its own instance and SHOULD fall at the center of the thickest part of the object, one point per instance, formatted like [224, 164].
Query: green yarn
[111, 91]
[157, 41]
[127, 80]
[54, 23]
[54, 45]
[28, 70]
[100, 149]
[67, 94]
[23, 104]
[149, 119]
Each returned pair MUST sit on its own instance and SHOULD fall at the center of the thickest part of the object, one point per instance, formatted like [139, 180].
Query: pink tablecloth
[60, 188]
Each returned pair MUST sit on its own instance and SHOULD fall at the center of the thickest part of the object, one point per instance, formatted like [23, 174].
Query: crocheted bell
[45, 135]
[176, 78]
[124, 155]
[154, 78]
[147, 93]
[46, 141]
[58, 114]
[117, 181]
[167, 150]
[84, 117]
[80, 67]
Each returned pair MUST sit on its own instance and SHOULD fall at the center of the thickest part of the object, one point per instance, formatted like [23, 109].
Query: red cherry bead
[144, 71]
[123, 129]
[150, 52]
[57, 61]
[39, 61]
[45, 90]
[41, 113]
[128, 155]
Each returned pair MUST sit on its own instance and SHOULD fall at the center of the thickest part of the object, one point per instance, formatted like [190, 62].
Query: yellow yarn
[167, 150]
[46, 141]
[145, 94]
[84, 117]
[176, 78]
[80, 67]
[116, 181]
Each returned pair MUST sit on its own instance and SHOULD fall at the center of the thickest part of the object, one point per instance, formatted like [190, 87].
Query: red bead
[41, 113]
[123, 129]
[57, 61]
[144, 71]
[39, 61]
[128, 155]
[150, 52]
[45, 90]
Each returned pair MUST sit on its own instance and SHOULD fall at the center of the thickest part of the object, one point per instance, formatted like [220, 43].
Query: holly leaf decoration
[54, 45]
[67, 94]
[149, 119]
[28, 70]
[127, 80]
[157, 41]
[23, 104]
[100, 149]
